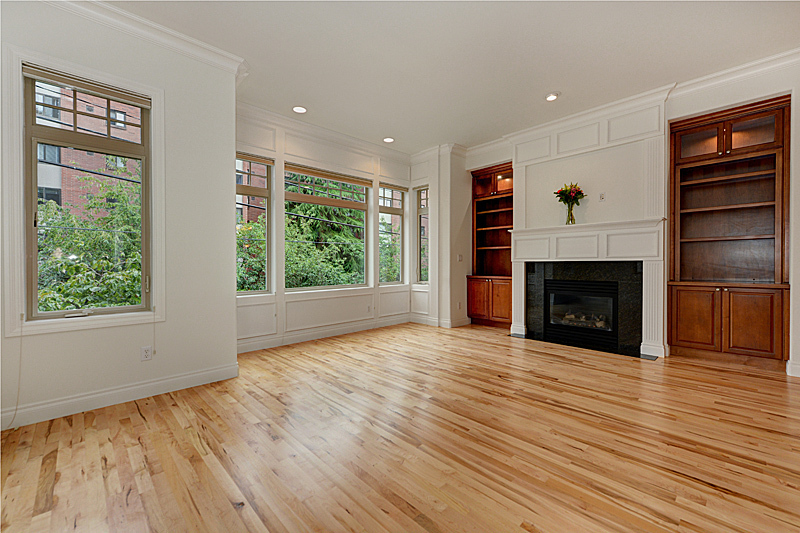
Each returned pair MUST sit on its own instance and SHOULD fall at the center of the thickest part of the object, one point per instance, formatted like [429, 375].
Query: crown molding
[491, 146]
[425, 155]
[252, 113]
[753, 69]
[122, 21]
[453, 148]
[642, 100]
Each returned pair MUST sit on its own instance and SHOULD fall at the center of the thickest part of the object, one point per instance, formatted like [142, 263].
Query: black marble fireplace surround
[627, 274]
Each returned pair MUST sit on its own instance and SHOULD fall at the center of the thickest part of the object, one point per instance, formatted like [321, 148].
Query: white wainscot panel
[640, 244]
[532, 150]
[419, 302]
[419, 171]
[326, 311]
[634, 124]
[530, 248]
[256, 320]
[579, 138]
[316, 151]
[577, 246]
[394, 303]
[394, 170]
[253, 134]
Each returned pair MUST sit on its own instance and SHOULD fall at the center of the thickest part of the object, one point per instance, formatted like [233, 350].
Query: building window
[253, 176]
[325, 225]
[88, 258]
[390, 234]
[424, 235]
[117, 119]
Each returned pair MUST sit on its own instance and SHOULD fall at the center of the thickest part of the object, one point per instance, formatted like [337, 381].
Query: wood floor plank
[414, 429]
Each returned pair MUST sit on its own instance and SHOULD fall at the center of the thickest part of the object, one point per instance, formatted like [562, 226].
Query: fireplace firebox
[582, 313]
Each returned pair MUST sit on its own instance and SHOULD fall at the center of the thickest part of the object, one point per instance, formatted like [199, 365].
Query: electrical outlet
[147, 353]
[369, 308]
[602, 197]
[460, 258]
[459, 305]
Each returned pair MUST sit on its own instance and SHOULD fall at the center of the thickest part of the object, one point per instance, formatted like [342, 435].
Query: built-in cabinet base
[740, 320]
[489, 300]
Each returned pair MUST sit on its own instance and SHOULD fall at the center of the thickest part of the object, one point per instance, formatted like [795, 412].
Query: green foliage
[251, 255]
[89, 256]
[324, 245]
[390, 249]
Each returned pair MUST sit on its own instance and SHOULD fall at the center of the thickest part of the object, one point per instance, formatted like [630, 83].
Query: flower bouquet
[571, 195]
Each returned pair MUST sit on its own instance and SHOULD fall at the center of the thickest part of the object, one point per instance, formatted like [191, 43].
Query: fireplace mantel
[635, 240]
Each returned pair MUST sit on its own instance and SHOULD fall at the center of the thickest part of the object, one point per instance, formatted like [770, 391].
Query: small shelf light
[388, 139]
[552, 96]
[299, 109]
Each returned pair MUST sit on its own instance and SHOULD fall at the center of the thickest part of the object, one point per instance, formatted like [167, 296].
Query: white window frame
[12, 210]
[418, 252]
[247, 190]
[399, 211]
[346, 204]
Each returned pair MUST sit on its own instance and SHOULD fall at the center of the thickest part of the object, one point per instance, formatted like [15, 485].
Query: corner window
[253, 176]
[87, 203]
[423, 224]
[390, 234]
[325, 225]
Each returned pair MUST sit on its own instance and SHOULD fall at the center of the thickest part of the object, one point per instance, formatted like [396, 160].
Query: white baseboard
[518, 330]
[69, 405]
[455, 323]
[422, 318]
[653, 349]
[793, 368]
[262, 343]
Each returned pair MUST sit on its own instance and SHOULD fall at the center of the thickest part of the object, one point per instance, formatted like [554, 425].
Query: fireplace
[581, 313]
[581, 289]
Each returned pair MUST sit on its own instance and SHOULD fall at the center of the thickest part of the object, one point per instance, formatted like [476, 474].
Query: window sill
[299, 294]
[420, 287]
[58, 325]
[249, 299]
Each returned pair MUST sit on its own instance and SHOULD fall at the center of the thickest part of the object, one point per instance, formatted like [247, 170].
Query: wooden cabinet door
[758, 131]
[504, 181]
[478, 298]
[501, 300]
[753, 322]
[699, 143]
[696, 317]
[483, 186]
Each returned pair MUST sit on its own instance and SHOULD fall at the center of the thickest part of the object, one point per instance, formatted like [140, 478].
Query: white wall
[287, 316]
[194, 331]
[425, 296]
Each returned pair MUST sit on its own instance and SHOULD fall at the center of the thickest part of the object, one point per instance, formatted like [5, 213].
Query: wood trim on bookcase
[785, 202]
[728, 114]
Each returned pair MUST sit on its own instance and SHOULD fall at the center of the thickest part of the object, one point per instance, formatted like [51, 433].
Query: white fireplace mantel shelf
[632, 240]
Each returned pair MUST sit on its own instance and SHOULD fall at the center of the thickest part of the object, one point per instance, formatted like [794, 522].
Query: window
[117, 119]
[424, 235]
[253, 175]
[87, 199]
[325, 224]
[390, 234]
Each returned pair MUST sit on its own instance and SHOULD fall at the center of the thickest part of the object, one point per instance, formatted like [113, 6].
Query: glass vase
[570, 214]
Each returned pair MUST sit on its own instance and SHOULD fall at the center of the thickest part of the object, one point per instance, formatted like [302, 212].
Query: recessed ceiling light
[299, 109]
[388, 140]
[552, 96]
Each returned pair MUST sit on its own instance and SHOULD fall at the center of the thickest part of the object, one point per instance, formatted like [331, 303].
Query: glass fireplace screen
[595, 312]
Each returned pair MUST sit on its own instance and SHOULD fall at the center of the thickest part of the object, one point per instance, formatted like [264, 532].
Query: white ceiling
[430, 73]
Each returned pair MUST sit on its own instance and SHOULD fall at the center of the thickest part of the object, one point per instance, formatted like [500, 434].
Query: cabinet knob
[720, 153]
[726, 290]
[728, 152]
[717, 289]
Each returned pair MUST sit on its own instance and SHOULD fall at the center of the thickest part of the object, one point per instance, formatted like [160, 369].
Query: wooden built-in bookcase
[489, 288]
[729, 187]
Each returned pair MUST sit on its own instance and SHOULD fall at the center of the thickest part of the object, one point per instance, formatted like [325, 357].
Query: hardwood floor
[418, 429]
